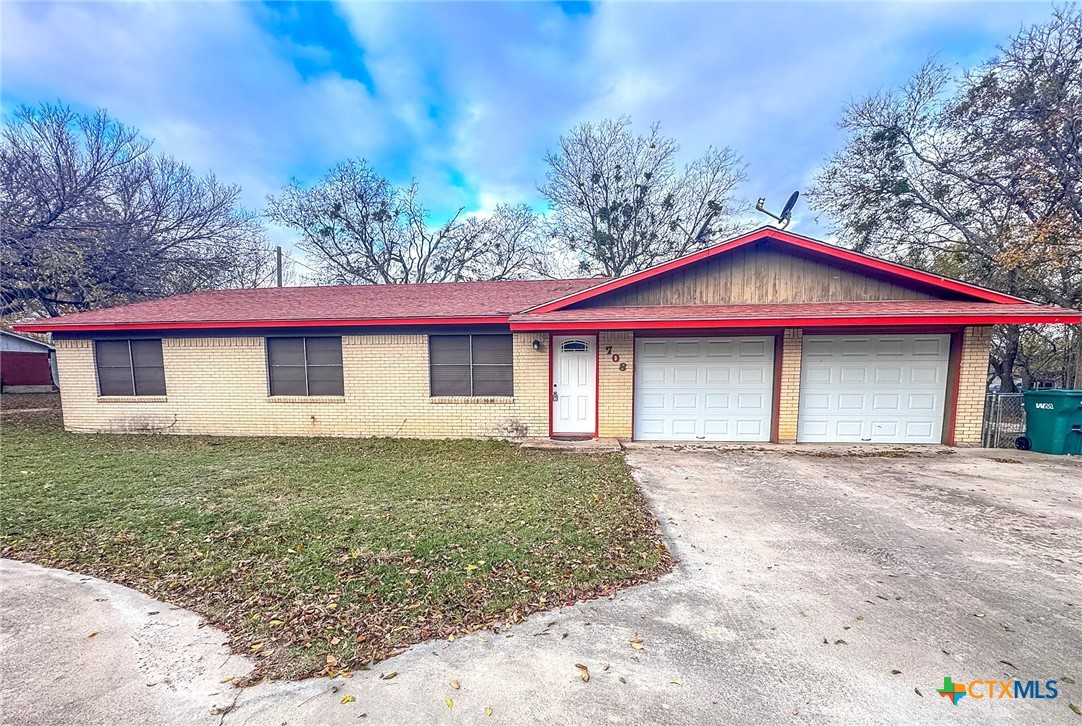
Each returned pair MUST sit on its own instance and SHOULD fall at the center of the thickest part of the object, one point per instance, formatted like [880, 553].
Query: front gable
[765, 272]
[771, 266]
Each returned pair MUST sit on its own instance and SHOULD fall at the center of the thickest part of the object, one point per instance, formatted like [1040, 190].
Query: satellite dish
[786, 215]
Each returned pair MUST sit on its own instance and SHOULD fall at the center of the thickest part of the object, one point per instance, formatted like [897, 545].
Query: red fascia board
[46, 327]
[806, 243]
[799, 322]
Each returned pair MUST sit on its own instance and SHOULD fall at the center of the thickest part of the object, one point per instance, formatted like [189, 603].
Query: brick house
[770, 336]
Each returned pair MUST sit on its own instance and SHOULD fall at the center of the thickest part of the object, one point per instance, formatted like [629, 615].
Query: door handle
[555, 396]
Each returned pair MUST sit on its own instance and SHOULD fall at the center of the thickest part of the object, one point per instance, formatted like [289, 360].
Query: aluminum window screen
[470, 365]
[305, 366]
[130, 367]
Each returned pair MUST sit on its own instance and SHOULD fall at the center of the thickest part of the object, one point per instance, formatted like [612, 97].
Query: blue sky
[467, 97]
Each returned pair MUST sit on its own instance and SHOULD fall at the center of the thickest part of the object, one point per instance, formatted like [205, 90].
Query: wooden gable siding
[758, 273]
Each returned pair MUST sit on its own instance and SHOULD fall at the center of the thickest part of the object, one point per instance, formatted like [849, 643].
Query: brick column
[615, 386]
[789, 393]
[972, 384]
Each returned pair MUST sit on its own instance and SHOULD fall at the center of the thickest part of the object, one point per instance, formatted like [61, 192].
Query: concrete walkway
[812, 588]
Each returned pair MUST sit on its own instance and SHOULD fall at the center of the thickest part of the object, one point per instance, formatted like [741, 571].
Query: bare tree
[976, 177]
[359, 228]
[92, 217]
[621, 203]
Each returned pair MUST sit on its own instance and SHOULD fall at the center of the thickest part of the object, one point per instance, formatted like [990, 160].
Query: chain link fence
[1004, 420]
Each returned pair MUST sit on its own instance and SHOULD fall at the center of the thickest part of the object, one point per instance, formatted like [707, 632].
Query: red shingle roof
[891, 312]
[340, 305]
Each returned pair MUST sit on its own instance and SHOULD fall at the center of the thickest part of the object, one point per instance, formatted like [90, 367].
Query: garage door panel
[887, 402]
[887, 429]
[719, 348]
[849, 374]
[651, 349]
[888, 375]
[717, 401]
[714, 389]
[852, 401]
[849, 428]
[719, 428]
[753, 349]
[918, 429]
[924, 374]
[684, 427]
[931, 347]
[893, 392]
[686, 349]
[717, 376]
[685, 400]
[652, 375]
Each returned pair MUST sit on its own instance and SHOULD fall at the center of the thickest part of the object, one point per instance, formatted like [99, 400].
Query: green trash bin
[1053, 422]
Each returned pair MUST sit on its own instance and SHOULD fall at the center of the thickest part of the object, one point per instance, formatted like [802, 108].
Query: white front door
[873, 388]
[574, 384]
[703, 389]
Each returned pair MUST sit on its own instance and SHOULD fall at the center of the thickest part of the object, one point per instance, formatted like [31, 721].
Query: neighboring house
[770, 336]
[26, 365]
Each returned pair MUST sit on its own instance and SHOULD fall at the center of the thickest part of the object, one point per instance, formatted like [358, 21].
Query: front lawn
[322, 555]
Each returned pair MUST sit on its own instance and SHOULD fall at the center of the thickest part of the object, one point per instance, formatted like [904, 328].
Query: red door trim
[775, 414]
[954, 379]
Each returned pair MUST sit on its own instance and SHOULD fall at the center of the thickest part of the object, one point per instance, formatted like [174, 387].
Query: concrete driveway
[812, 587]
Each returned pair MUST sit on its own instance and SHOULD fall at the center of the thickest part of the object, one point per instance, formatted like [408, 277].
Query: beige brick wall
[791, 346]
[972, 384]
[219, 386]
[614, 385]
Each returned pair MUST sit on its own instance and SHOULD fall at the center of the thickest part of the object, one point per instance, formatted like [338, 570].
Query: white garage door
[705, 389]
[875, 388]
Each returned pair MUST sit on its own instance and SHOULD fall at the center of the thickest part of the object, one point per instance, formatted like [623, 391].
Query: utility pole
[279, 257]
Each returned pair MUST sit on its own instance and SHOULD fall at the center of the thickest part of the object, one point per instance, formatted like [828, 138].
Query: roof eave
[793, 322]
[45, 327]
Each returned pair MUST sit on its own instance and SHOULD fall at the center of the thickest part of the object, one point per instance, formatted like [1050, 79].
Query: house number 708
[615, 357]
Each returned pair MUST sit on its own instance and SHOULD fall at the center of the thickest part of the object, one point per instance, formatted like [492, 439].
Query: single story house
[771, 336]
[26, 365]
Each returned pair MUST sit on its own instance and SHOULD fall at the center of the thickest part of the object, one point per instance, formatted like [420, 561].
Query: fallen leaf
[331, 660]
[1076, 709]
[92, 634]
[348, 699]
[605, 667]
[451, 638]
[226, 680]
[636, 642]
[389, 676]
[1007, 662]
[488, 711]
[1067, 679]
[623, 680]
[455, 684]
[860, 617]
[676, 682]
[839, 641]
[449, 702]
[917, 691]
[585, 672]
[895, 672]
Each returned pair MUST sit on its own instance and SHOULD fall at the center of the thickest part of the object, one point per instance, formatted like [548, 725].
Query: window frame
[131, 367]
[307, 381]
[510, 365]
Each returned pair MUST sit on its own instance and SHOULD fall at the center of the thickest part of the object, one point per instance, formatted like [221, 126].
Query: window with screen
[305, 366]
[470, 365]
[130, 367]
